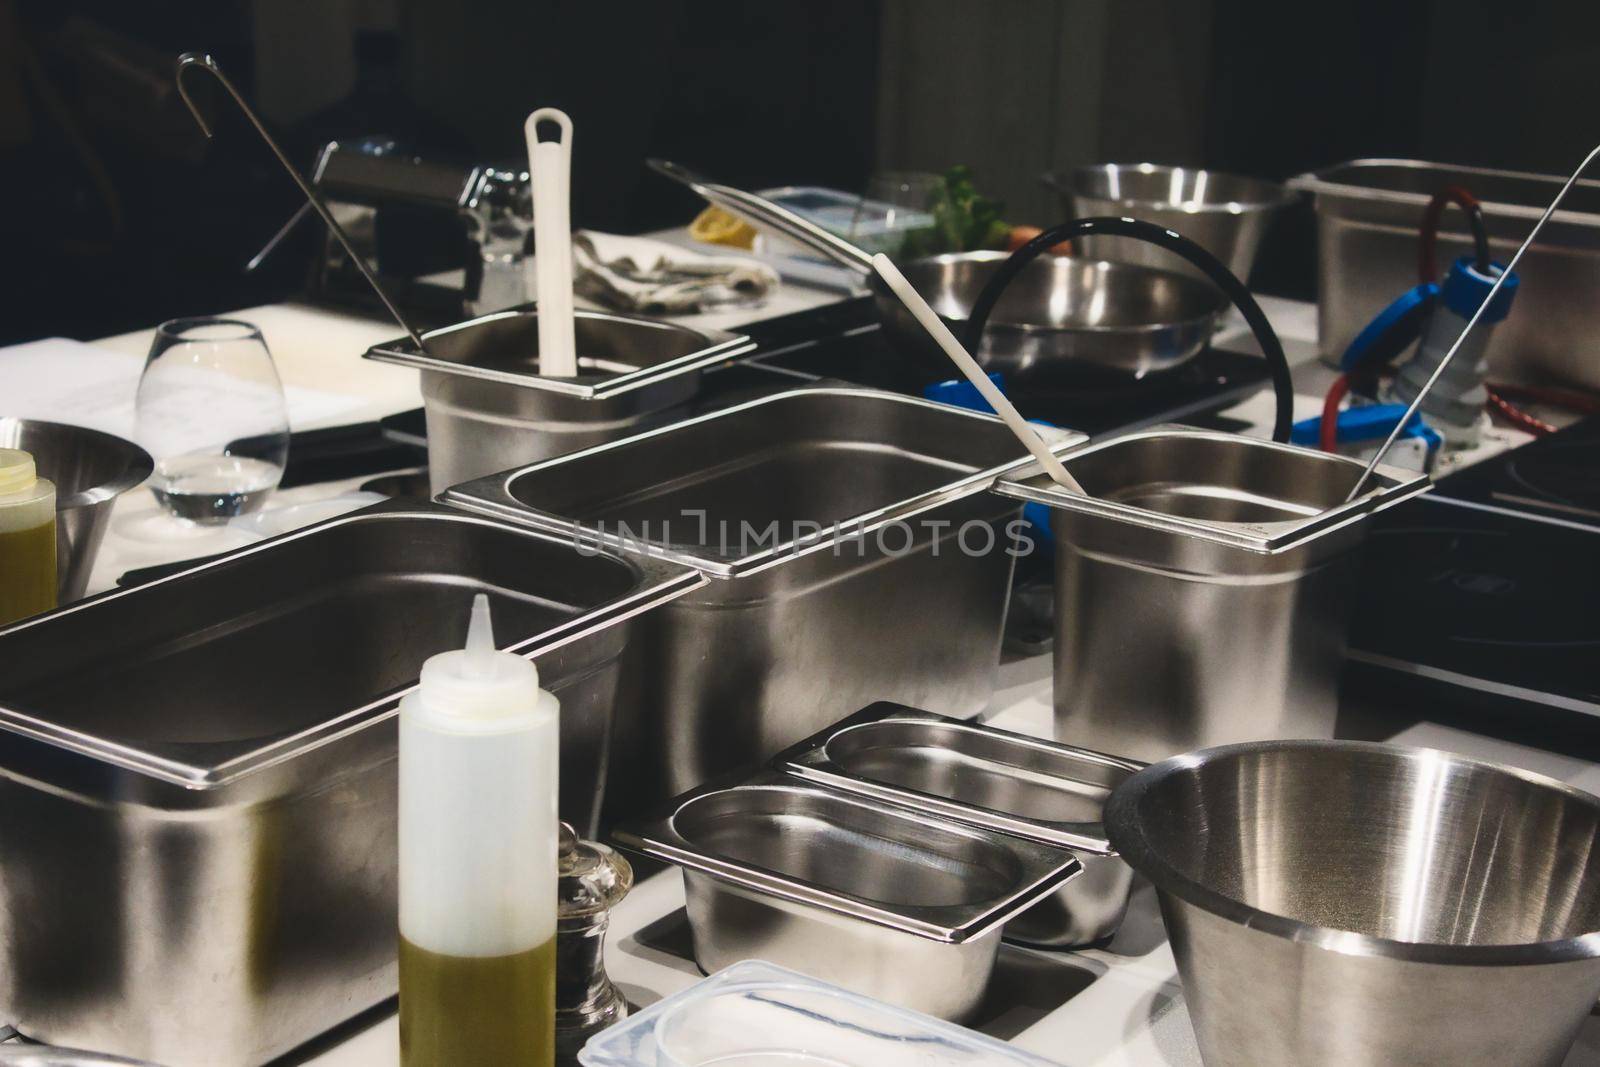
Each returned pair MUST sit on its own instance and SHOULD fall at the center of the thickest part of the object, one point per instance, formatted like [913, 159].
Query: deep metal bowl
[90, 470]
[1062, 313]
[1336, 902]
[1226, 214]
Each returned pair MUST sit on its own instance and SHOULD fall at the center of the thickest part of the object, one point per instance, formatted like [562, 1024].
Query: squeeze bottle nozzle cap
[478, 681]
[480, 659]
[17, 471]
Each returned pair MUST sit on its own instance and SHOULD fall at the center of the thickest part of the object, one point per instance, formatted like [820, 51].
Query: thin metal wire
[206, 63]
[1416, 402]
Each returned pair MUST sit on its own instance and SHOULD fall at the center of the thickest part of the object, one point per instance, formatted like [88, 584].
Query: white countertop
[1131, 1013]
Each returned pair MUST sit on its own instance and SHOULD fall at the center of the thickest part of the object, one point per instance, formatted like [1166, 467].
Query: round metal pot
[1226, 214]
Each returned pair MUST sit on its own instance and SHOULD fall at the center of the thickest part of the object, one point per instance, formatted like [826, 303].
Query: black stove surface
[1484, 598]
[1483, 594]
[843, 342]
[1556, 476]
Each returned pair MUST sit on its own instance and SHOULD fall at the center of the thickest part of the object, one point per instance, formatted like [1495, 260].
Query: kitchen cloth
[655, 277]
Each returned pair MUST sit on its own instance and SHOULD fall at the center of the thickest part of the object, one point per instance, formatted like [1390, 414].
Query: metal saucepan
[1059, 316]
[1226, 214]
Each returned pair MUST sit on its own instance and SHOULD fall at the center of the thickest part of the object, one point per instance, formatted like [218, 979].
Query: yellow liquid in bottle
[477, 1011]
[27, 571]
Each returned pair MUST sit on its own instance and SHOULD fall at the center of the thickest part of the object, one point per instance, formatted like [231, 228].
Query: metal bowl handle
[1266, 337]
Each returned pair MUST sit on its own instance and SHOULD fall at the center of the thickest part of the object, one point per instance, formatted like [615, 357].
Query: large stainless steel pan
[197, 775]
[1060, 316]
[852, 554]
[1368, 216]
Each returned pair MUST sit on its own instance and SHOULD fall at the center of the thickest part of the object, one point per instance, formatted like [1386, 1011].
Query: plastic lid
[17, 472]
[591, 877]
[1465, 288]
[477, 680]
[756, 1012]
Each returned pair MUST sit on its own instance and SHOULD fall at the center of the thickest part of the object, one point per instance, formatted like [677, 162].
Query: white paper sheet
[68, 381]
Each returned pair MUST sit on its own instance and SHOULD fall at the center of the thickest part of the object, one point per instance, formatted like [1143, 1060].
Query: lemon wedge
[717, 227]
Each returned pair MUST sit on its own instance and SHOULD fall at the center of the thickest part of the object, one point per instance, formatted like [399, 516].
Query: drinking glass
[212, 413]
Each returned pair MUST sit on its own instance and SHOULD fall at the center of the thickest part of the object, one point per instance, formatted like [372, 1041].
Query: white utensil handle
[550, 166]
[930, 320]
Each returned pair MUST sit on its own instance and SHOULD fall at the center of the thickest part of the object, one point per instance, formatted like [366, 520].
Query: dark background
[118, 214]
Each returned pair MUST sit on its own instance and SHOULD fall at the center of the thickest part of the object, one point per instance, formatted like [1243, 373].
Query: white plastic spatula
[550, 166]
[936, 328]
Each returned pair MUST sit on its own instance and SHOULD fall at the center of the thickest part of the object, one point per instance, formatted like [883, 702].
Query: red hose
[1328, 429]
[1427, 268]
[1571, 399]
[1517, 417]
[1428, 271]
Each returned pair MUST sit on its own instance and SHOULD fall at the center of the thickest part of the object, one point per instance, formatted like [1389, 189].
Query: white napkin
[639, 274]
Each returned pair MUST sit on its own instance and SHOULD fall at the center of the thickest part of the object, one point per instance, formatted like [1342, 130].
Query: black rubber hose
[1266, 337]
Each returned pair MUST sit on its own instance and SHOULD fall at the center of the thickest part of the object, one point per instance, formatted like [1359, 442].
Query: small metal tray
[617, 353]
[779, 836]
[975, 774]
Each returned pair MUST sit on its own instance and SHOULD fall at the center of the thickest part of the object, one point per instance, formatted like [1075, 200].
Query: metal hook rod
[205, 62]
[1416, 402]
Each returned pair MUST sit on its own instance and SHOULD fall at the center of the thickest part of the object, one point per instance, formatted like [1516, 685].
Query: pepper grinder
[592, 879]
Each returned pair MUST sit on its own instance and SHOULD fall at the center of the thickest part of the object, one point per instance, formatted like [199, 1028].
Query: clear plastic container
[755, 1014]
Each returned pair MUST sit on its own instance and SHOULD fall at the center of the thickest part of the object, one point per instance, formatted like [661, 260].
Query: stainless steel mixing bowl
[1225, 214]
[1062, 313]
[1339, 902]
[90, 470]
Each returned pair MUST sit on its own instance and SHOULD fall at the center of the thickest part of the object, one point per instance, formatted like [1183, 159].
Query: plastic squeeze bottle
[27, 538]
[478, 845]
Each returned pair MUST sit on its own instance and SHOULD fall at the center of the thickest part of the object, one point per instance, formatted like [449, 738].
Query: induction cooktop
[1491, 583]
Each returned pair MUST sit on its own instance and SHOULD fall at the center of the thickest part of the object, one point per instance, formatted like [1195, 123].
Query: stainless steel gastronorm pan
[876, 567]
[1369, 212]
[197, 775]
[488, 408]
[1203, 587]
[995, 779]
[874, 897]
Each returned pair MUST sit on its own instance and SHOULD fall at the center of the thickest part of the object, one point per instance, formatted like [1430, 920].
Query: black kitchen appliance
[1482, 599]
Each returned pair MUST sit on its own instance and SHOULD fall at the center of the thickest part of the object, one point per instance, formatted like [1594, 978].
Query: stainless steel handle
[209, 65]
[764, 214]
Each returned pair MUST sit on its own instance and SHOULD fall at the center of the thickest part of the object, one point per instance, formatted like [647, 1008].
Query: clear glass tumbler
[212, 413]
